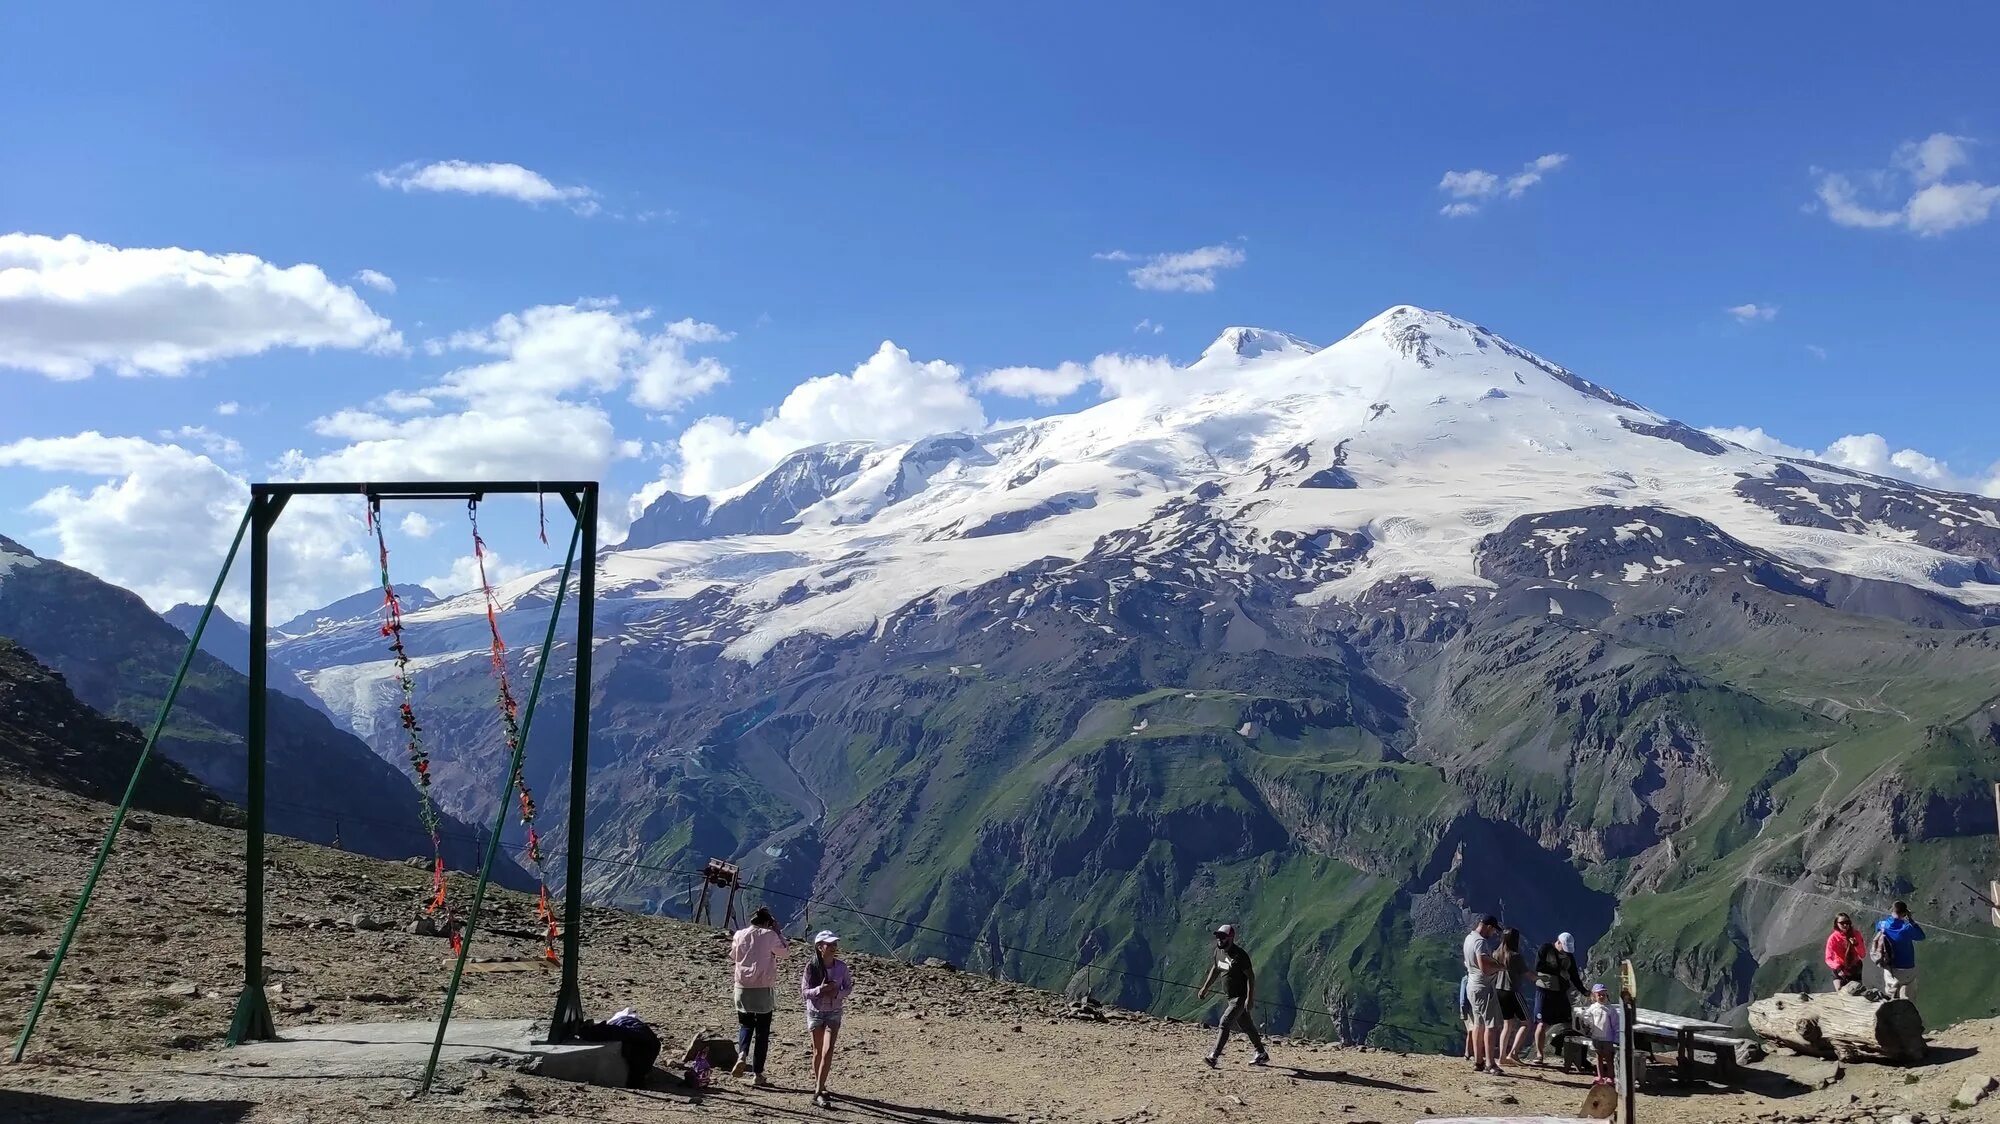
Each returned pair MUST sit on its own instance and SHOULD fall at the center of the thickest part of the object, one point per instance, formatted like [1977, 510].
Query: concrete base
[401, 1049]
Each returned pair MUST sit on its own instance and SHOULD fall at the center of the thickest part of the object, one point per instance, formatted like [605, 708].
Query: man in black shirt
[1239, 984]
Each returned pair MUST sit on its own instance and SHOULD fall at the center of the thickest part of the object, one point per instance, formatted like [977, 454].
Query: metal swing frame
[252, 1020]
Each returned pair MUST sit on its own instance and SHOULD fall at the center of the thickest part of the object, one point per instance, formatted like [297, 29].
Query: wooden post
[1628, 1001]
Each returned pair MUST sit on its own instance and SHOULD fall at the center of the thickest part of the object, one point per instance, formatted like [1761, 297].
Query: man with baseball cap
[1239, 984]
[1481, 952]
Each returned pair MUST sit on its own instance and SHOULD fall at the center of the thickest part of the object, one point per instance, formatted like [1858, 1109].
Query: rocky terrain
[119, 658]
[133, 1034]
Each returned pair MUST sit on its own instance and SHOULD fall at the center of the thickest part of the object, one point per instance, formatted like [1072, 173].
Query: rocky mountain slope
[119, 657]
[50, 739]
[1340, 643]
[134, 1029]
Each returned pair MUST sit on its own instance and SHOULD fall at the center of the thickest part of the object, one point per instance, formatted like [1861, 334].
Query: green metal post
[131, 790]
[499, 821]
[253, 1011]
[569, 1000]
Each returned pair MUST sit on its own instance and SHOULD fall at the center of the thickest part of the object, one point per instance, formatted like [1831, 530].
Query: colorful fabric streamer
[413, 733]
[511, 724]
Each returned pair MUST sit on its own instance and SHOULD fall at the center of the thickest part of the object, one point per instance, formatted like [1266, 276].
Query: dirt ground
[133, 1032]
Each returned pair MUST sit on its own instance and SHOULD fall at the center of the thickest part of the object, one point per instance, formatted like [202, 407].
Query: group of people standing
[824, 985]
[1895, 952]
[1501, 981]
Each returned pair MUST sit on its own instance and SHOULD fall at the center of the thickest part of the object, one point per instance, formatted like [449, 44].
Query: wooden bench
[1687, 1037]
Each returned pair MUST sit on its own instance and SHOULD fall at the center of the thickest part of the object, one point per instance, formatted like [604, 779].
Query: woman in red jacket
[1844, 950]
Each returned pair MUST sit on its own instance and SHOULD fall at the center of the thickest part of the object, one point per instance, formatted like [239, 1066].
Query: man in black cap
[1239, 984]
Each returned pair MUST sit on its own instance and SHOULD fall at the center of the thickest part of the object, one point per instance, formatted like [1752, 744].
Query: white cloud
[1930, 160]
[376, 280]
[527, 412]
[1149, 326]
[1116, 376]
[1471, 189]
[888, 397]
[213, 443]
[417, 526]
[1190, 271]
[463, 576]
[69, 306]
[1043, 384]
[1475, 184]
[508, 181]
[1932, 207]
[1752, 313]
[1871, 453]
[160, 521]
[1816, 351]
[228, 409]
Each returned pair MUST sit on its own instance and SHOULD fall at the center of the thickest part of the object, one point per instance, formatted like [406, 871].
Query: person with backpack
[1239, 984]
[755, 951]
[1556, 980]
[825, 986]
[1843, 952]
[1896, 938]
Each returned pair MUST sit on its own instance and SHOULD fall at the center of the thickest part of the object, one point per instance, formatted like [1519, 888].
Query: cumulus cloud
[160, 520]
[888, 397]
[1470, 190]
[1871, 453]
[69, 306]
[417, 526]
[1189, 271]
[528, 410]
[507, 181]
[1913, 194]
[213, 443]
[1149, 326]
[1752, 313]
[463, 574]
[376, 280]
[228, 409]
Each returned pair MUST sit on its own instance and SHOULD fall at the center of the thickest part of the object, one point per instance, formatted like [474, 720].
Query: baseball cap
[826, 936]
[1595, 988]
[1226, 931]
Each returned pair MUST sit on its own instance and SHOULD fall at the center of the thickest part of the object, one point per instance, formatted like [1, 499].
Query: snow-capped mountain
[1336, 641]
[1420, 433]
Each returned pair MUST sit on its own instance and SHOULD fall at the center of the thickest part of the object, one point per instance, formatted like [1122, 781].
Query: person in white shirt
[1602, 1020]
[1482, 972]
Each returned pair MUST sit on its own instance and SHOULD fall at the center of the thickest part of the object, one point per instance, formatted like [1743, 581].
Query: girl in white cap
[825, 986]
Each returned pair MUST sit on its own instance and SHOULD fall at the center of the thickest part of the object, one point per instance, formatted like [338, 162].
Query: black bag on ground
[636, 1042]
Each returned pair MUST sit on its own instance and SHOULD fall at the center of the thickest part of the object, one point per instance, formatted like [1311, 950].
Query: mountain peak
[1236, 344]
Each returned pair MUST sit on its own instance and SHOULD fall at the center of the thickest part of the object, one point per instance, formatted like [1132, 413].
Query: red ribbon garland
[420, 763]
[510, 723]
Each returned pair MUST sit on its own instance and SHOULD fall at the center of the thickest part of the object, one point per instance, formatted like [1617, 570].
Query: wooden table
[1683, 1030]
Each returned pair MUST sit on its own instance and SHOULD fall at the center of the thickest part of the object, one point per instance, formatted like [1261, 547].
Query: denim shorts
[817, 1019]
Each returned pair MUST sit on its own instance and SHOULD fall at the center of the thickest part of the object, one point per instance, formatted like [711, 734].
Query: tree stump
[1843, 1026]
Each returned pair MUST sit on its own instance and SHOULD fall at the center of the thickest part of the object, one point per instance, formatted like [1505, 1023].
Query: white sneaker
[1261, 1058]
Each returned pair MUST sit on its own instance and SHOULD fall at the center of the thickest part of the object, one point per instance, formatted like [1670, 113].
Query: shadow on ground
[40, 1108]
[1350, 1079]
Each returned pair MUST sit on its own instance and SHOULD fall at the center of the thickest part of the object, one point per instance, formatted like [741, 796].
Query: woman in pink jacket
[1844, 949]
[755, 951]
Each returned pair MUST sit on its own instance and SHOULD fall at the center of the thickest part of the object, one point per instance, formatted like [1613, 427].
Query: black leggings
[750, 1026]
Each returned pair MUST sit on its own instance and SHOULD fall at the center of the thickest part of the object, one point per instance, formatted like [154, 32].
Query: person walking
[755, 950]
[1898, 937]
[1844, 952]
[825, 986]
[1239, 986]
[1482, 971]
[1509, 989]
[1556, 980]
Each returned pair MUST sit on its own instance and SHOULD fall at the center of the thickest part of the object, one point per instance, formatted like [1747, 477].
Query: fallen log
[1843, 1026]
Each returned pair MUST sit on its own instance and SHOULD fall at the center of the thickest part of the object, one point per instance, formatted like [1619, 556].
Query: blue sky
[783, 189]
